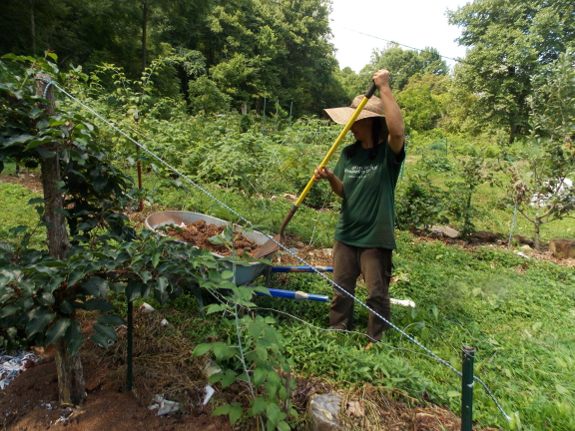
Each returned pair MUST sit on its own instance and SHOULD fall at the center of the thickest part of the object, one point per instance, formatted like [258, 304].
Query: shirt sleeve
[339, 167]
[394, 161]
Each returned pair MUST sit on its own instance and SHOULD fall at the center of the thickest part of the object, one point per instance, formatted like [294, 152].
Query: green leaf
[229, 378]
[46, 299]
[259, 405]
[57, 330]
[96, 286]
[106, 331]
[62, 211]
[145, 290]
[66, 307]
[255, 329]
[273, 383]
[98, 304]
[216, 377]
[226, 274]
[155, 259]
[74, 337]
[37, 142]
[117, 287]
[145, 276]
[561, 389]
[220, 350]
[39, 322]
[260, 375]
[8, 311]
[261, 289]
[133, 290]
[162, 283]
[110, 319]
[274, 413]
[75, 276]
[221, 410]
[453, 394]
[100, 183]
[100, 340]
[235, 412]
[20, 139]
[202, 349]
[214, 308]
[36, 201]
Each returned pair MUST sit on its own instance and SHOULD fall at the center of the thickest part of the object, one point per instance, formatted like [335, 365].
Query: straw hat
[373, 108]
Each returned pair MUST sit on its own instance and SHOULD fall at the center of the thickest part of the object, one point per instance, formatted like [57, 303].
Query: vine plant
[256, 357]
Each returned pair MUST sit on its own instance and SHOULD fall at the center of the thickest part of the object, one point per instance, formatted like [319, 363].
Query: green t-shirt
[367, 215]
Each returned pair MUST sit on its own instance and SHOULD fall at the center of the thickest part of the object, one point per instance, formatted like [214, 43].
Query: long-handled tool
[271, 246]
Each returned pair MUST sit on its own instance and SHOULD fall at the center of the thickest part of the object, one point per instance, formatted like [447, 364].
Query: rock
[445, 231]
[147, 308]
[324, 411]
[562, 248]
[211, 368]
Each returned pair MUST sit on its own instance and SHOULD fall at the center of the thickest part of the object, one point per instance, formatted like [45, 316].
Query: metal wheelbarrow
[243, 274]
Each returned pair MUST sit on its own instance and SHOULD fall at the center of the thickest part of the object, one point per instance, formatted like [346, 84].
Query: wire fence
[280, 246]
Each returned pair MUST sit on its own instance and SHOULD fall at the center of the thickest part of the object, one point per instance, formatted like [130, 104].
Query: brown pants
[375, 265]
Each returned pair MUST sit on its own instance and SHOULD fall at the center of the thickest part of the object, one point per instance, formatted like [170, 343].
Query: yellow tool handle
[337, 141]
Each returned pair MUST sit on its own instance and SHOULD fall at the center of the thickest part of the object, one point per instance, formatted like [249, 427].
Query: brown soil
[163, 364]
[312, 255]
[198, 233]
[24, 178]
[31, 404]
[519, 244]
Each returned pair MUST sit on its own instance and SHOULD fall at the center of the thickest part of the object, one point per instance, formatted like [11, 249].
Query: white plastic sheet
[12, 365]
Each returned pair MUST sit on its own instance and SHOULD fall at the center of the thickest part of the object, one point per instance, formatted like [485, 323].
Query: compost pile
[199, 232]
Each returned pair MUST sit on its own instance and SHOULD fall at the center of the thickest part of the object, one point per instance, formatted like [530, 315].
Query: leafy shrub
[419, 204]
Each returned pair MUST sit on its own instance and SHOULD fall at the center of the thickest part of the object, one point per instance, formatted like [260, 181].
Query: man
[365, 177]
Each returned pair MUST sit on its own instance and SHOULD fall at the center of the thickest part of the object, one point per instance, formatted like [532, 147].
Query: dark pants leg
[375, 265]
[346, 269]
[376, 270]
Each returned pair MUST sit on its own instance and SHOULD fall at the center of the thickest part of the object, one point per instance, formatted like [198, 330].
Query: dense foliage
[249, 50]
[509, 43]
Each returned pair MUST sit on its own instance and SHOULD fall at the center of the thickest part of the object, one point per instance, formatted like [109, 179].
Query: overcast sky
[415, 23]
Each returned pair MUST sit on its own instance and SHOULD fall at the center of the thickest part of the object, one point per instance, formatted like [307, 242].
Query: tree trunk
[144, 34]
[536, 242]
[57, 233]
[70, 372]
[512, 133]
[33, 27]
[71, 384]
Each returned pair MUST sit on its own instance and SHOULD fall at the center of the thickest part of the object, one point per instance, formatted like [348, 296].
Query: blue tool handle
[301, 269]
[290, 294]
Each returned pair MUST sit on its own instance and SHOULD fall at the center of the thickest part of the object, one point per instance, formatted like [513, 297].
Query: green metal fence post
[467, 388]
[129, 359]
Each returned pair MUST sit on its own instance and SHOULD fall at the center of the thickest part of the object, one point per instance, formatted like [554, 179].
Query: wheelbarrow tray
[243, 274]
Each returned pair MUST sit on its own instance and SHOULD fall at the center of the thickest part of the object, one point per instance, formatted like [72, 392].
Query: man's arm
[393, 116]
